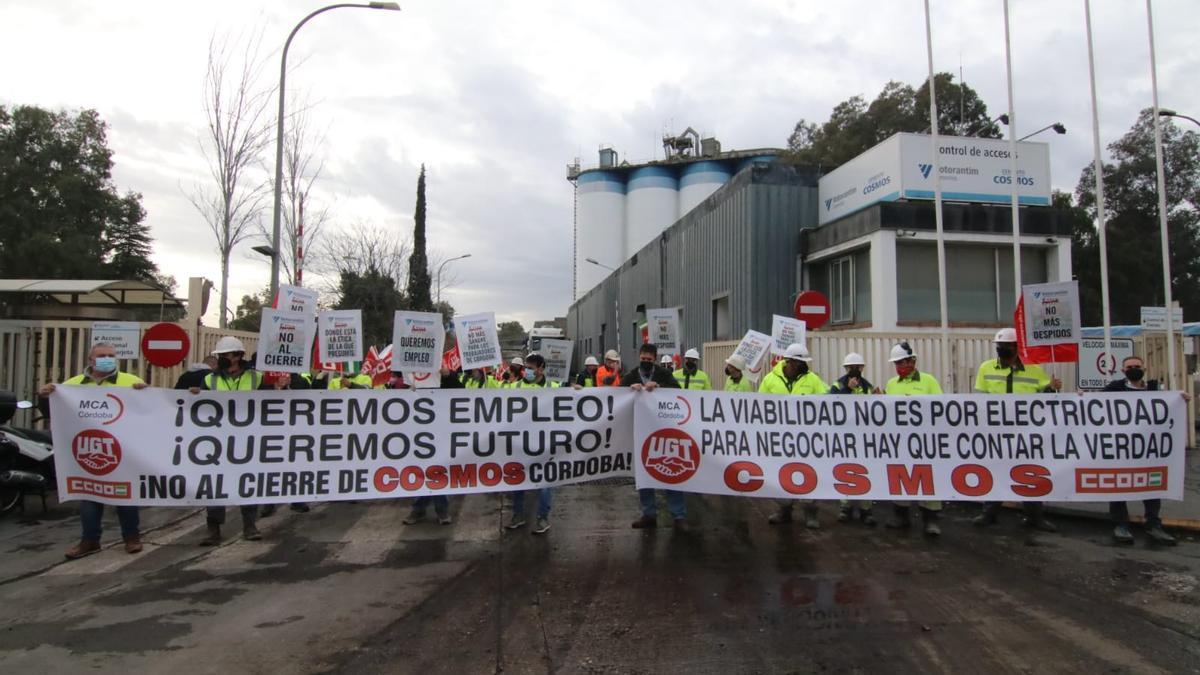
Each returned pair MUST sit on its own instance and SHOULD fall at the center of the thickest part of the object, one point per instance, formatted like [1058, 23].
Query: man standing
[648, 376]
[533, 377]
[587, 376]
[1006, 374]
[792, 376]
[609, 374]
[1135, 381]
[690, 376]
[102, 372]
[911, 382]
[735, 375]
[853, 383]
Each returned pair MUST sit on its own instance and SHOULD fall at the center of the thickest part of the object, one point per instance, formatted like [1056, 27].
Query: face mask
[105, 364]
[530, 376]
[646, 367]
[689, 366]
[1135, 374]
[730, 372]
[855, 372]
[223, 363]
[1006, 352]
[905, 369]
[802, 368]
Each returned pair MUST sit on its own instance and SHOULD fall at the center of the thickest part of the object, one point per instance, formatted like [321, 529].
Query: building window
[846, 281]
[722, 325]
[841, 290]
[978, 281]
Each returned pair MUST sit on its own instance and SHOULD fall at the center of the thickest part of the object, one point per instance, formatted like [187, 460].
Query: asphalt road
[347, 588]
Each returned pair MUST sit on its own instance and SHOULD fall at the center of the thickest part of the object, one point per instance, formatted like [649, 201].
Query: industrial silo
[600, 229]
[699, 180]
[651, 205]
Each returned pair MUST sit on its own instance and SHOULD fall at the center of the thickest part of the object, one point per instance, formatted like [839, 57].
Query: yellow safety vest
[218, 382]
[775, 383]
[744, 385]
[698, 381]
[916, 384]
[117, 379]
[1025, 378]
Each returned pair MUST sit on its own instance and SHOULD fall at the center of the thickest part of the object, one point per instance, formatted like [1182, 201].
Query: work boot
[844, 514]
[300, 507]
[444, 519]
[781, 517]
[251, 533]
[213, 537]
[900, 518]
[84, 548]
[985, 519]
[810, 517]
[267, 510]
[515, 522]
[133, 544]
[1159, 535]
[1122, 535]
[645, 523]
[414, 517]
[1039, 522]
[930, 518]
[541, 526]
[867, 517]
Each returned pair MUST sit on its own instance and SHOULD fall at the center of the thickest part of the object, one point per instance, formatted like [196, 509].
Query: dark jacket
[1122, 385]
[192, 378]
[841, 386]
[453, 380]
[662, 377]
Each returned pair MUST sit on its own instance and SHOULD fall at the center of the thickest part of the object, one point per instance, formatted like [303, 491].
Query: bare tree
[365, 247]
[238, 129]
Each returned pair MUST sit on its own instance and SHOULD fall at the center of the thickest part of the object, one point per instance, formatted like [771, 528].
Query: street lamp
[1167, 112]
[391, 6]
[597, 263]
[1057, 127]
[264, 249]
[439, 274]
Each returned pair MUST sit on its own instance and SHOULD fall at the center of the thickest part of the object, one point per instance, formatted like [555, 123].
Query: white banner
[785, 331]
[1052, 314]
[753, 348]
[663, 329]
[297, 299]
[477, 340]
[124, 336]
[558, 359]
[340, 335]
[285, 341]
[1092, 448]
[417, 340]
[154, 448]
[423, 380]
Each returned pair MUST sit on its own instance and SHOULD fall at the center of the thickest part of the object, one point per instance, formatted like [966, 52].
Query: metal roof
[92, 291]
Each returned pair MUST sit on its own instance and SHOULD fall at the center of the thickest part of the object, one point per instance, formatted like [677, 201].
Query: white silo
[698, 181]
[600, 227]
[651, 205]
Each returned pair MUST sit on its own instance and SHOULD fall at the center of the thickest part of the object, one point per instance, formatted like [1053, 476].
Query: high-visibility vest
[217, 382]
[361, 380]
[118, 379]
[522, 384]
[1022, 378]
[489, 382]
[775, 382]
[697, 381]
[916, 384]
[604, 372]
[744, 385]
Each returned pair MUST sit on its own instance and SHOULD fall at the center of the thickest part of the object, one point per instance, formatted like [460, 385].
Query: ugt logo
[925, 169]
[670, 456]
[96, 451]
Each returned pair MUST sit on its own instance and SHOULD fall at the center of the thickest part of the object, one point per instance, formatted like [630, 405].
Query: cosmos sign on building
[972, 170]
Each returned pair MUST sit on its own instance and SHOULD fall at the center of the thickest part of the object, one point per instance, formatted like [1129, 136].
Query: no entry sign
[165, 344]
[812, 307]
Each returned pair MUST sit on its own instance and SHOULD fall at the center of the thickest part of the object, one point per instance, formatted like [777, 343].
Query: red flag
[452, 359]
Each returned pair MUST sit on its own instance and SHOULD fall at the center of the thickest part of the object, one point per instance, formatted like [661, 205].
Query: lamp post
[439, 274]
[1167, 112]
[616, 301]
[275, 213]
[1057, 127]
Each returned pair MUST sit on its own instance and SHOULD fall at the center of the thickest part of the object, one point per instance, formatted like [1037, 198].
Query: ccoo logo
[926, 169]
[96, 451]
[670, 456]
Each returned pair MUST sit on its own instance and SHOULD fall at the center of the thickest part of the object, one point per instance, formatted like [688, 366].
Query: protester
[533, 377]
[450, 379]
[514, 374]
[648, 376]
[735, 375]
[1134, 370]
[792, 376]
[283, 382]
[478, 378]
[102, 371]
[690, 376]
[854, 383]
[1006, 374]
[587, 376]
[609, 374]
[667, 361]
[195, 374]
[911, 382]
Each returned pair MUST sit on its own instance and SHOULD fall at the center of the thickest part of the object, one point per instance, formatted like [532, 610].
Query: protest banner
[1094, 448]
[285, 341]
[154, 447]
[477, 340]
[785, 331]
[417, 339]
[1048, 323]
[558, 359]
[296, 299]
[662, 326]
[340, 334]
[753, 348]
[124, 336]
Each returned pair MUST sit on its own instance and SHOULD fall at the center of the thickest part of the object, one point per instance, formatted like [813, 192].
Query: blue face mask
[105, 364]
[530, 376]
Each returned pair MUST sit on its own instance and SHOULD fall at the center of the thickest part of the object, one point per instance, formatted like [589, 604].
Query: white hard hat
[736, 361]
[1005, 335]
[900, 352]
[666, 358]
[854, 359]
[517, 361]
[798, 352]
[691, 354]
[591, 361]
[612, 355]
[229, 344]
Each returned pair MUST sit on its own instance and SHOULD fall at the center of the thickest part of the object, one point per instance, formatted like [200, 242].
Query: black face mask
[1135, 374]
[855, 372]
[802, 368]
[1006, 352]
[729, 372]
[647, 367]
[223, 363]
[689, 367]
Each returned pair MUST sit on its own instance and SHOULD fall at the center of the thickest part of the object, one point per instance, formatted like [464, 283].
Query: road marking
[375, 533]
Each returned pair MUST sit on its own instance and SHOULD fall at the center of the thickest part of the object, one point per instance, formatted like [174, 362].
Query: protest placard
[417, 339]
[662, 327]
[477, 340]
[558, 359]
[297, 299]
[786, 331]
[754, 348]
[340, 335]
[285, 341]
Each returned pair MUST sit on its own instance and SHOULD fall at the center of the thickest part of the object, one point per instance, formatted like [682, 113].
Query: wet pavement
[347, 588]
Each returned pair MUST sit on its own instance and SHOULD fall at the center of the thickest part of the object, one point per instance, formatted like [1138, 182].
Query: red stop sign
[812, 307]
[165, 344]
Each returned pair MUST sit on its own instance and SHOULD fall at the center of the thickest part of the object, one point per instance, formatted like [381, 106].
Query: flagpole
[937, 203]
[1162, 203]
[1098, 164]
[1012, 162]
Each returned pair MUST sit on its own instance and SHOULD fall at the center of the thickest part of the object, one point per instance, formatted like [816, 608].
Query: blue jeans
[91, 514]
[545, 497]
[675, 504]
[441, 504]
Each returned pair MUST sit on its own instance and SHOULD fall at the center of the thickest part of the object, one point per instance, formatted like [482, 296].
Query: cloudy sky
[497, 97]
